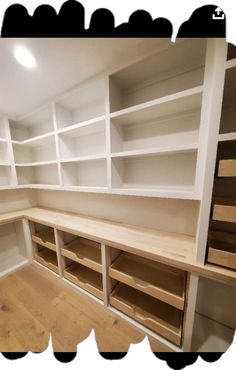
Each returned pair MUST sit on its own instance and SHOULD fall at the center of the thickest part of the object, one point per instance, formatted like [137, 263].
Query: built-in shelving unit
[119, 133]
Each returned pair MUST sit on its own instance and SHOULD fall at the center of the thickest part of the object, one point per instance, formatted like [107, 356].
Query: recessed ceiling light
[24, 57]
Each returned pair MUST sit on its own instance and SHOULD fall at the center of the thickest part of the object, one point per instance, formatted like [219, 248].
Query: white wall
[164, 214]
[12, 200]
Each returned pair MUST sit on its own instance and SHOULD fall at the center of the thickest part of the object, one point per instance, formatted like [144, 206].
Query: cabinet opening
[38, 175]
[165, 73]
[228, 114]
[34, 125]
[87, 102]
[83, 141]
[91, 173]
[5, 175]
[13, 252]
[42, 150]
[46, 257]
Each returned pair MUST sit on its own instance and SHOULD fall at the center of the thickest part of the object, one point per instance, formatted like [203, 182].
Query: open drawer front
[156, 279]
[47, 258]
[84, 251]
[84, 277]
[44, 236]
[222, 249]
[150, 312]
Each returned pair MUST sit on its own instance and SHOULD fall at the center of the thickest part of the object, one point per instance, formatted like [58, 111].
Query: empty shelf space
[152, 313]
[153, 278]
[85, 173]
[13, 252]
[47, 258]
[129, 133]
[38, 175]
[87, 102]
[5, 175]
[85, 278]
[36, 124]
[46, 238]
[223, 210]
[4, 153]
[84, 251]
[42, 150]
[159, 75]
[3, 128]
[227, 168]
[222, 249]
[83, 141]
[172, 172]
[231, 51]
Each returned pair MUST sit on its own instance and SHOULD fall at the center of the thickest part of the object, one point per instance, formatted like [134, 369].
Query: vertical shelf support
[59, 244]
[57, 143]
[106, 261]
[108, 132]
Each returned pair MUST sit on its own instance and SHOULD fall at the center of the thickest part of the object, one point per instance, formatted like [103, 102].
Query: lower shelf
[150, 312]
[47, 258]
[85, 278]
[46, 238]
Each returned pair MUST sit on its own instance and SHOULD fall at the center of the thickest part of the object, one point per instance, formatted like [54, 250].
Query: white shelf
[159, 75]
[83, 141]
[87, 102]
[81, 124]
[84, 158]
[227, 137]
[34, 164]
[4, 152]
[42, 150]
[88, 173]
[34, 125]
[163, 150]
[34, 141]
[2, 140]
[38, 175]
[154, 172]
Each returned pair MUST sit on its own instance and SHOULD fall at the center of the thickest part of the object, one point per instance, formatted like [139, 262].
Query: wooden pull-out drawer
[46, 238]
[224, 212]
[158, 280]
[222, 249]
[152, 313]
[227, 168]
[48, 258]
[85, 278]
[87, 253]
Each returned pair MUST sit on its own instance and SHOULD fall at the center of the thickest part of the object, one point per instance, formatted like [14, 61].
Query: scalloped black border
[69, 22]
[45, 22]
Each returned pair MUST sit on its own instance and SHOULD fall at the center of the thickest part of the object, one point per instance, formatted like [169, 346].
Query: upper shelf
[35, 124]
[159, 75]
[87, 102]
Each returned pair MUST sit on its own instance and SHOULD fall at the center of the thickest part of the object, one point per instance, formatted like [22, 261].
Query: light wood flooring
[34, 303]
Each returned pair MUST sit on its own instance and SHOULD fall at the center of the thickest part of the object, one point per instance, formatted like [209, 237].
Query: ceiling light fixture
[24, 57]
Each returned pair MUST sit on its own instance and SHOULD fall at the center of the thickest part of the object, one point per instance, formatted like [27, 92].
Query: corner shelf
[35, 124]
[43, 174]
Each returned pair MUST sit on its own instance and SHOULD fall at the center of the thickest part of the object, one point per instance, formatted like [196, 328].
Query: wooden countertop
[171, 248]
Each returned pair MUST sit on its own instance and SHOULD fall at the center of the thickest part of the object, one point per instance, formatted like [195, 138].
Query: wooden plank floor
[36, 303]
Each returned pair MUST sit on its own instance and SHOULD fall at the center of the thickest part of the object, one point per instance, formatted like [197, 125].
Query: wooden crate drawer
[222, 249]
[160, 281]
[150, 312]
[46, 238]
[227, 168]
[223, 212]
[86, 278]
[85, 252]
[47, 258]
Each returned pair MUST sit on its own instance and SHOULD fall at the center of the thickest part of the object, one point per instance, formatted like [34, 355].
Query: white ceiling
[62, 64]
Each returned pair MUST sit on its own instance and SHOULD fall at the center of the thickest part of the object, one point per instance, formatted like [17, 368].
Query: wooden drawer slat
[86, 278]
[153, 278]
[48, 258]
[45, 238]
[222, 249]
[227, 168]
[152, 313]
[86, 254]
